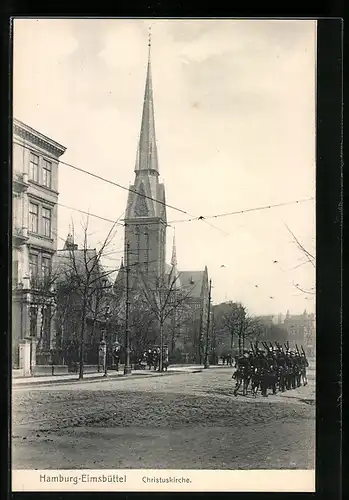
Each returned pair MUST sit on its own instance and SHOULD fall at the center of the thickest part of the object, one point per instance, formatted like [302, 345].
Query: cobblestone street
[170, 421]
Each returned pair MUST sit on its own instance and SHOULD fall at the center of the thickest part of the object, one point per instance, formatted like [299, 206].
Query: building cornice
[29, 134]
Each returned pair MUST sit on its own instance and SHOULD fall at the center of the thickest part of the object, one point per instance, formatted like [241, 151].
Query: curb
[92, 379]
[101, 378]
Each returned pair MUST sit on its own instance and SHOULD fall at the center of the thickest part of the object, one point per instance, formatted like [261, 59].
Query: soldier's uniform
[272, 370]
[298, 369]
[242, 368]
[263, 371]
[281, 362]
[304, 366]
[294, 370]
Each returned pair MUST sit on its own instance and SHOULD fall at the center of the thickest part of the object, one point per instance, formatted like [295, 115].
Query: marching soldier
[304, 366]
[272, 369]
[298, 369]
[263, 371]
[242, 372]
[281, 363]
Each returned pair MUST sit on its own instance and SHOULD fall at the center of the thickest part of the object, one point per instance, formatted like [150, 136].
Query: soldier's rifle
[280, 347]
[265, 345]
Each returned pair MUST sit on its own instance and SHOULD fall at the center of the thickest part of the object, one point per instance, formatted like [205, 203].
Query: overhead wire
[193, 218]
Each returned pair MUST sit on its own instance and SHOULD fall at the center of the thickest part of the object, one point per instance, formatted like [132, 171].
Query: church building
[145, 233]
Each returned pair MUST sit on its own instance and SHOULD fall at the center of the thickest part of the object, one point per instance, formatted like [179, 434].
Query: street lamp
[127, 367]
[107, 312]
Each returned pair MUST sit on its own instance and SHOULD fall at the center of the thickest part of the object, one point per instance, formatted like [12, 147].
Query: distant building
[301, 330]
[34, 236]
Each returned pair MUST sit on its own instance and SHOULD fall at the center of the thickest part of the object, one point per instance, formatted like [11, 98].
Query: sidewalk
[112, 374]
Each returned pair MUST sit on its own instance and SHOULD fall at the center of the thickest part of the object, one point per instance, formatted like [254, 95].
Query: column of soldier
[274, 367]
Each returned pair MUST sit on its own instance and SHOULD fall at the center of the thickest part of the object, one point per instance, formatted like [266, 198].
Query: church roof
[194, 280]
[75, 261]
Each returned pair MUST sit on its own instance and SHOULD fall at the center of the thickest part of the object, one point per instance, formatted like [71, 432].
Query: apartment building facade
[34, 243]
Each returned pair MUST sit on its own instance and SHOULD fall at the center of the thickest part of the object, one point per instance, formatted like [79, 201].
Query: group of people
[152, 358]
[273, 368]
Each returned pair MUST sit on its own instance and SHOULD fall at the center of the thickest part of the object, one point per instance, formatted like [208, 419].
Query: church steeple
[147, 155]
[69, 242]
[174, 253]
[174, 276]
[145, 217]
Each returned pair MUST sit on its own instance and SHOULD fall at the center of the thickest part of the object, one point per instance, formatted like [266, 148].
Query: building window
[47, 173]
[46, 266]
[33, 217]
[34, 168]
[33, 265]
[46, 217]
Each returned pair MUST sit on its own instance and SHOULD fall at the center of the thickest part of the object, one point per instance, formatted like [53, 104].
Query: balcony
[20, 236]
[20, 182]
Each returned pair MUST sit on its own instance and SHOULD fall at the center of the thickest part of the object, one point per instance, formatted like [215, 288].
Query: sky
[235, 126]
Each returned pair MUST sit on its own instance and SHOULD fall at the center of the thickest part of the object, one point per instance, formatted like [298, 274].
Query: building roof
[194, 280]
[30, 134]
[78, 261]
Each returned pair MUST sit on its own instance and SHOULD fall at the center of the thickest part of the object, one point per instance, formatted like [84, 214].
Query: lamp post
[206, 364]
[107, 311]
[127, 367]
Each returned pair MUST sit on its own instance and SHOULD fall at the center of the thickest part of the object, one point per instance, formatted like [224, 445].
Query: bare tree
[240, 324]
[310, 259]
[83, 269]
[165, 300]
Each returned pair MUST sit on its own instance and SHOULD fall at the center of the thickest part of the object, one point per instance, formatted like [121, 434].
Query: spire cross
[149, 37]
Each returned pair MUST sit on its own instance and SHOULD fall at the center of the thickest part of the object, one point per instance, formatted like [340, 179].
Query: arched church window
[138, 243]
[146, 249]
[141, 208]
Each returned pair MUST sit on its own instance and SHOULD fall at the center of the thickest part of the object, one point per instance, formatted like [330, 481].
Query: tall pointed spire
[174, 276]
[147, 156]
[69, 242]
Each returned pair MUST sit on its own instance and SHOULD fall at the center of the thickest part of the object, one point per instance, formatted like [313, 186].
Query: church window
[138, 243]
[146, 249]
[141, 209]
